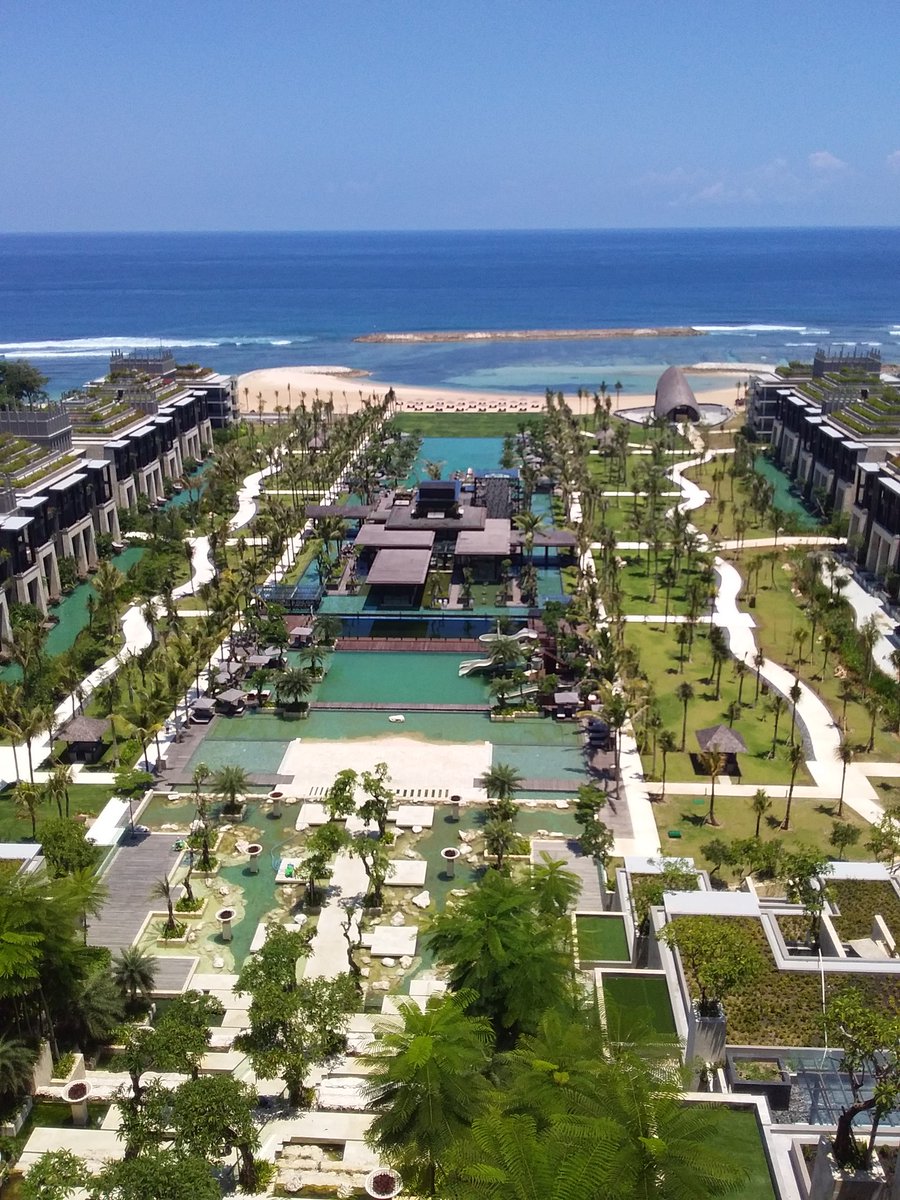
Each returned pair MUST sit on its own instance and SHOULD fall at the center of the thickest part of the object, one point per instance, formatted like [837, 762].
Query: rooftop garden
[859, 901]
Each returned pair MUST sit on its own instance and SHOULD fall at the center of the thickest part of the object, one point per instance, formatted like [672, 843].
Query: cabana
[203, 710]
[399, 576]
[230, 703]
[720, 739]
[85, 739]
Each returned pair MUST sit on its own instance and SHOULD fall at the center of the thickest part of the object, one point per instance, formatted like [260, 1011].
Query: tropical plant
[760, 804]
[718, 958]
[134, 971]
[502, 781]
[16, 1066]
[555, 887]
[870, 1040]
[426, 1084]
[230, 784]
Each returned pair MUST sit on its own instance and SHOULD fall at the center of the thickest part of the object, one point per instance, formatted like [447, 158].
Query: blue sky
[447, 114]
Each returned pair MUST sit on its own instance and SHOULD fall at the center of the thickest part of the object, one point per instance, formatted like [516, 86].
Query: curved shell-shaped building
[675, 399]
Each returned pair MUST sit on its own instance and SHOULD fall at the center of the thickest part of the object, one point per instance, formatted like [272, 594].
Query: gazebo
[720, 739]
[85, 738]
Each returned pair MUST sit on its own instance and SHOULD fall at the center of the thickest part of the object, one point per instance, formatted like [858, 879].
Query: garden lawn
[784, 1008]
[658, 652]
[738, 1137]
[643, 595]
[811, 822]
[778, 614]
[87, 798]
[859, 902]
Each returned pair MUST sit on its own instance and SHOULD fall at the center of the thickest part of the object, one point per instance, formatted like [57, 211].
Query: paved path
[864, 606]
[328, 956]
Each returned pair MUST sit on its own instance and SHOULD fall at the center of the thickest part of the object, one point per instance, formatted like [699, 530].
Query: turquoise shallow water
[399, 678]
[782, 497]
[458, 454]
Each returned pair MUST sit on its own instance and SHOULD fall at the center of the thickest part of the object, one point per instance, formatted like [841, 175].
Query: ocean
[242, 301]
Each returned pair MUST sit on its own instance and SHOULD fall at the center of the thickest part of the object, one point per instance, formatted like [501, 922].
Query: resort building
[836, 434]
[674, 399]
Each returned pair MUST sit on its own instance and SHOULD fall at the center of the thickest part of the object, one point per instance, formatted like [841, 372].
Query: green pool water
[602, 939]
[72, 612]
[782, 497]
[645, 994]
[397, 678]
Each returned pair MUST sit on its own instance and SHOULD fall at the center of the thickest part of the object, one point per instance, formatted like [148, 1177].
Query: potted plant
[760, 1074]
[76, 1096]
[716, 956]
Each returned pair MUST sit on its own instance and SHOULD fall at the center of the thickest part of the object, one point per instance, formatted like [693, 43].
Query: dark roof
[350, 512]
[203, 704]
[469, 518]
[378, 537]
[85, 729]
[231, 696]
[545, 537]
[491, 541]
[674, 395]
[400, 567]
[566, 698]
[721, 738]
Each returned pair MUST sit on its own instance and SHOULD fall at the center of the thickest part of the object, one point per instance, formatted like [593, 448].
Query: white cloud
[824, 160]
[893, 162]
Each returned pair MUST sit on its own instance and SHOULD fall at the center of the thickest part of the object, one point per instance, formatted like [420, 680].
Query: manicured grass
[658, 652]
[602, 939]
[463, 424]
[638, 996]
[606, 470]
[888, 790]
[643, 594]
[738, 1136]
[810, 824]
[87, 798]
[778, 614]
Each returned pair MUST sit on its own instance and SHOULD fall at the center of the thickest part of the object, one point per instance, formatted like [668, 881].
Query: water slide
[475, 664]
[522, 635]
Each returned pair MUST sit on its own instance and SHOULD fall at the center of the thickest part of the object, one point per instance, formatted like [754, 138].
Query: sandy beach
[287, 387]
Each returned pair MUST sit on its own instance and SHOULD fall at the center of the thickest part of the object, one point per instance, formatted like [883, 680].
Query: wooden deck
[367, 706]
[135, 869]
[412, 645]
[591, 898]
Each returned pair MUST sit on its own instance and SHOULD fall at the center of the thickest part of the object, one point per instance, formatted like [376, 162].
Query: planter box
[192, 916]
[831, 1182]
[11, 1129]
[76, 1072]
[776, 1091]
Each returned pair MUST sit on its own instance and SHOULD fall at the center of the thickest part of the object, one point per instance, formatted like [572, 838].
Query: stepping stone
[311, 813]
[422, 900]
[393, 941]
[409, 815]
[407, 872]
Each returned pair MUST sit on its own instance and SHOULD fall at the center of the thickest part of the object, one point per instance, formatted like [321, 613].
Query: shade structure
[674, 397]
[721, 739]
[377, 537]
[400, 567]
[84, 729]
[490, 542]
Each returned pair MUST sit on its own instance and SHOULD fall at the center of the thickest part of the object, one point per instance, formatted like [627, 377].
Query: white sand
[414, 766]
[262, 391]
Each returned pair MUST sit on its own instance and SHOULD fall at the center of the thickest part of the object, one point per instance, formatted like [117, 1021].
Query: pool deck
[411, 645]
[590, 899]
[367, 706]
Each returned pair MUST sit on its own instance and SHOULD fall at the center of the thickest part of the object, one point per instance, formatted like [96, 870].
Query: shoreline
[266, 390]
[531, 335]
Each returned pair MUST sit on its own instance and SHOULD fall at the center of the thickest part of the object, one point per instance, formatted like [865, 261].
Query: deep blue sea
[242, 301]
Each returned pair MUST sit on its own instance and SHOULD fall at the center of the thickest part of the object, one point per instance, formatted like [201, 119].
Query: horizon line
[449, 230]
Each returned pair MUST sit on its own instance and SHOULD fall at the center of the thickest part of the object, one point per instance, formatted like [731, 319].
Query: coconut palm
[844, 755]
[667, 745]
[502, 781]
[163, 890]
[28, 798]
[229, 784]
[293, 685]
[97, 1009]
[795, 758]
[134, 971]
[425, 1084]
[87, 892]
[500, 839]
[555, 887]
[760, 804]
[713, 762]
[685, 694]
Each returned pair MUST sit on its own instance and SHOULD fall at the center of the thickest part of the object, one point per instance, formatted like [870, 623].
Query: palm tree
[777, 710]
[162, 890]
[16, 1066]
[500, 839]
[293, 685]
[713, 762]
[28, 797]
[874, 706]
[229, 784]
[425, 1084]
[502, 781]
[134, 970]
[795, 694]
[685, 694]
[87, 892]
[760, 803]
[667, 745]
[795, 758]
[844, 755]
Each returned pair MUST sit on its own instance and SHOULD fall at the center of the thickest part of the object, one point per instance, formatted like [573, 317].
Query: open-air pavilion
[399, 576]
[720, 739]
